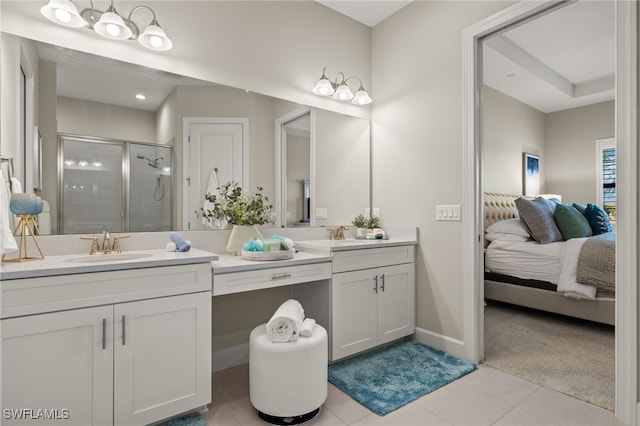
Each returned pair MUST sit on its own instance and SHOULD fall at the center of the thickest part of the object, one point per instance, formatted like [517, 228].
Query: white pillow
[509, 226]
[501, 236]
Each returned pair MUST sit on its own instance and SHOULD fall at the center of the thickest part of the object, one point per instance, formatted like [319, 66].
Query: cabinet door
[162, 357]
[396, 302]
[57, 368]
[353, 297]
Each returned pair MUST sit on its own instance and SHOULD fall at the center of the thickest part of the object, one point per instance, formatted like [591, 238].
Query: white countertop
[84, 263]
[228, 263]
[329, 246]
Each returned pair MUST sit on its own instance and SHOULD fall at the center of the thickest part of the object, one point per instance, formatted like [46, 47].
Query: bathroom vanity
[361, 291]
[372, 292]
[105, 339]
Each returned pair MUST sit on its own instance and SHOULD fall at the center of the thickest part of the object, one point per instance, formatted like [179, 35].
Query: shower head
[152, 163]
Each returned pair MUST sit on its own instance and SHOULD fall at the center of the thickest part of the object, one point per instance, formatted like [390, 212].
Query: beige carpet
[571, 356]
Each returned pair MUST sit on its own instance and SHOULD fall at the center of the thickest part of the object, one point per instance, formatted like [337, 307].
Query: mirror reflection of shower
[150, 190]
[157, 163]
[107, 187]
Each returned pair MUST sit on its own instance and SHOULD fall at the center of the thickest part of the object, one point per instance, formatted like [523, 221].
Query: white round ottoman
[288, 381]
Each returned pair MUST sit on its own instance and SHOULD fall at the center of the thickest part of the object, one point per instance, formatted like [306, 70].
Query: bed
[528, 274]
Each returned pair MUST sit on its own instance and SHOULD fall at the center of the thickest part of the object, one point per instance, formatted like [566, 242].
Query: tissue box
[25, 204]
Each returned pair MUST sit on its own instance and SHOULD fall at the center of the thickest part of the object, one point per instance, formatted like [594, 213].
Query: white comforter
[556, 263]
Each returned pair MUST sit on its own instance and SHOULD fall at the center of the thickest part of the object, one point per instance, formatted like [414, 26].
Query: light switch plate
[448, 212]
[321, 213]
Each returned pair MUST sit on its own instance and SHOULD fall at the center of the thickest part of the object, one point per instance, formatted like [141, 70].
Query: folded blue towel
[27, 204]
[181, 243]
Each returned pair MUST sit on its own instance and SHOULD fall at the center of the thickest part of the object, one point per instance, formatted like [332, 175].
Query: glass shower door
[92, 187]
[149, 188]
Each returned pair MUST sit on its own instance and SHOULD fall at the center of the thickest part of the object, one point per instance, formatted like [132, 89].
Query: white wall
[571, 150]
[86, 118]
[9, 101]
[253, 45]
[510, 128]
[417, 143]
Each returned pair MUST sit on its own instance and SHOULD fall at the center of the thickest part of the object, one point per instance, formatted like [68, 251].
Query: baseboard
[236, 355]
[229, 357]
[441, 342]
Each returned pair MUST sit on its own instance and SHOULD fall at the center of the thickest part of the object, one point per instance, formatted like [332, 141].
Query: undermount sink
[111, 257]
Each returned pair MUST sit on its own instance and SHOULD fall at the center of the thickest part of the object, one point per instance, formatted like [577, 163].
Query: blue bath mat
[191, 419]
[388, 378]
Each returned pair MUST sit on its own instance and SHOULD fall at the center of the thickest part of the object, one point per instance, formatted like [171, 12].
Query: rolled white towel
[286, 322]
[307, 327]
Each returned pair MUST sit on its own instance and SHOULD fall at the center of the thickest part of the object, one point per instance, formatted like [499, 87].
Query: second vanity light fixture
[340, 90]
[108, 23]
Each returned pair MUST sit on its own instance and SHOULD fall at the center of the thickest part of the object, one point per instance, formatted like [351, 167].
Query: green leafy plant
[373, 222]
[359, 222]
[236, 207]
[370, 222]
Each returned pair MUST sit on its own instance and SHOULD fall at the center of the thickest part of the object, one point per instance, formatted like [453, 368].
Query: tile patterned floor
[484, 397]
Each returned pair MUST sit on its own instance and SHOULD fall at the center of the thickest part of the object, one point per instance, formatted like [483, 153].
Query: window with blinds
[607, 176]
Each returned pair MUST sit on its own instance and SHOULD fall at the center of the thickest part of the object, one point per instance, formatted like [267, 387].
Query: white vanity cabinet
[121, 347]
[372, 298]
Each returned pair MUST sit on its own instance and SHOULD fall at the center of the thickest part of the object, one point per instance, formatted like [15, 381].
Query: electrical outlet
[321, 213]
[376, 212]
[367, 211]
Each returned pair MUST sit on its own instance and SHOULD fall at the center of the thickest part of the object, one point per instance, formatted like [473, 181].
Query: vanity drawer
[236, 282]
[56, 293]
[353, 260]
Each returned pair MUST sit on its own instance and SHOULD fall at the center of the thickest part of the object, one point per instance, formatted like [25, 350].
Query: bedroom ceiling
[561, 60]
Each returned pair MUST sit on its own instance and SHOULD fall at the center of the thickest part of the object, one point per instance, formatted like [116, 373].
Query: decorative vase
[241, 234]
[361, 232]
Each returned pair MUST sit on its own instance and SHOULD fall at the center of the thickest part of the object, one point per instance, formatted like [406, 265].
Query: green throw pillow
[580, 207]
[571, 222]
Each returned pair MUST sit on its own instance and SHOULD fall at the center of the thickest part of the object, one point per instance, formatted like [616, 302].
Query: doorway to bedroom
[548, 95]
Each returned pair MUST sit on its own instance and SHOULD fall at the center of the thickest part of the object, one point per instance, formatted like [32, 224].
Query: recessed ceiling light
[141, 96]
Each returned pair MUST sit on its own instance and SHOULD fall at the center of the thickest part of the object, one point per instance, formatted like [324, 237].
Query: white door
[396, 302]
[60, 361]
[355, 323]
[162, 357]
[212, 144]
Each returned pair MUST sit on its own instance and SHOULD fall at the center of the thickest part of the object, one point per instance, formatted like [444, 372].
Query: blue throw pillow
[598, 219]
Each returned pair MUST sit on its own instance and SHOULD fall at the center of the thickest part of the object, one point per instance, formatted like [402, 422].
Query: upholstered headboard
[499, 207]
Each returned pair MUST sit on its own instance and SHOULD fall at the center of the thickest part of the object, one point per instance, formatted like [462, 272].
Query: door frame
[186, 125]
[626, 408]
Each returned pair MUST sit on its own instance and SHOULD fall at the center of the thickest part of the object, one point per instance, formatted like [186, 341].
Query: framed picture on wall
[530, 174]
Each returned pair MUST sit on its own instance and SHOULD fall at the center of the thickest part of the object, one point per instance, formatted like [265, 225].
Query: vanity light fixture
[340, 90]
[108, 23]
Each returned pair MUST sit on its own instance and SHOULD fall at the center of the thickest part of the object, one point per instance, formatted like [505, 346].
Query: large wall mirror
[83, 95]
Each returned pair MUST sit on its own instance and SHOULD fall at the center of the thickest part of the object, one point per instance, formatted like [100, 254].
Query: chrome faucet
[338, 233]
